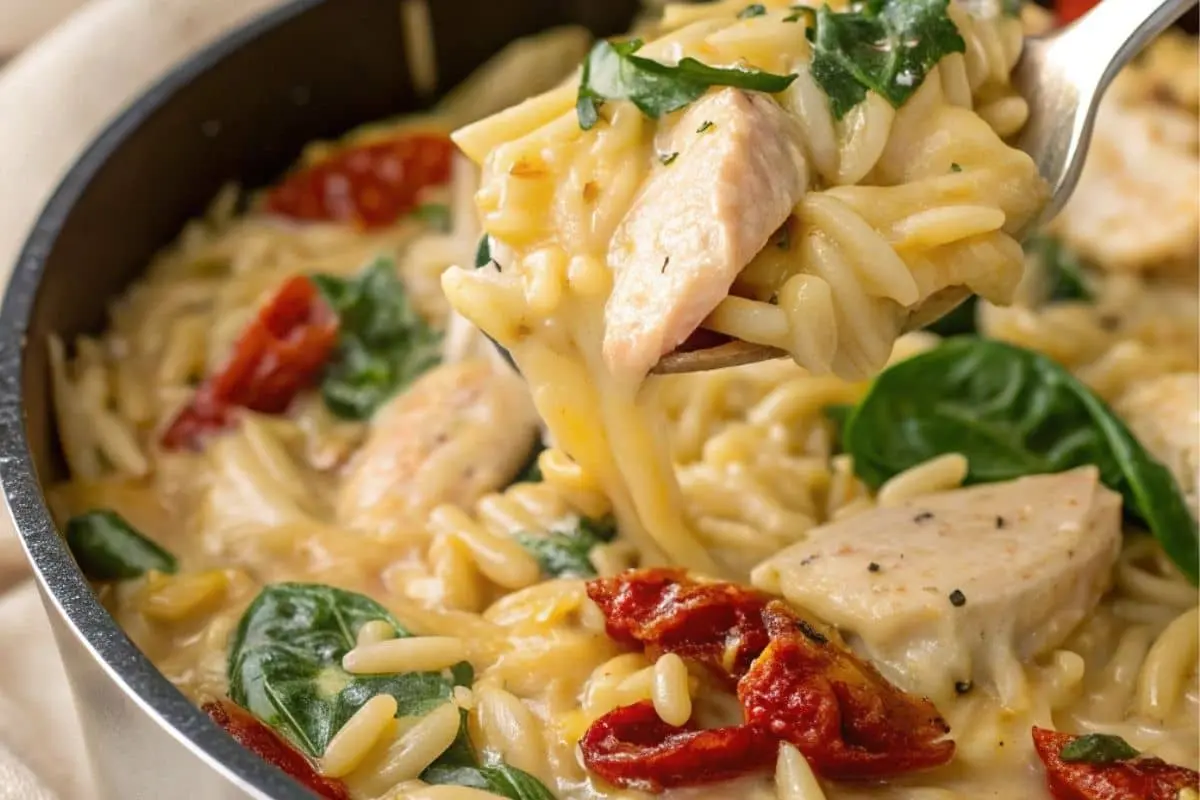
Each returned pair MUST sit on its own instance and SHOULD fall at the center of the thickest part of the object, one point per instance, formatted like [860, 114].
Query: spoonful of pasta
[854, 266]
[774, 180]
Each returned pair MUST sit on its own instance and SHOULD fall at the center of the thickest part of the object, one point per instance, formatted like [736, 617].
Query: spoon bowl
[1062, 77]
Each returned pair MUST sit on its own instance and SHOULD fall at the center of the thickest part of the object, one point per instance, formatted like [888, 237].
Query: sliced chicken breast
[953, 590]
[461, 431]
[733, 171]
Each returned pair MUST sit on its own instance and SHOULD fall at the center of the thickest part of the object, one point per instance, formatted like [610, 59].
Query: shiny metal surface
[1064, 74]
[310, 69]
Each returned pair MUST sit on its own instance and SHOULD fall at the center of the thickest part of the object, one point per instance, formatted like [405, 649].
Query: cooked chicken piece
[953, 589]
[1164, 414]
[698, 221]
[459, 432]
[1137, 206]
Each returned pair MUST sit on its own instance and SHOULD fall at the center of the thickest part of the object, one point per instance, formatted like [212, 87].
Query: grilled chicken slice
[955, 589]
[461, 431]
[701, 217]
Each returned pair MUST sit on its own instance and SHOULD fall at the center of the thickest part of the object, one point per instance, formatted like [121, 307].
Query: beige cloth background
[54, 97]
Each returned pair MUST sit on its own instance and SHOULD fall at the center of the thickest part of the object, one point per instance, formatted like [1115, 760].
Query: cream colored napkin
[53, 99]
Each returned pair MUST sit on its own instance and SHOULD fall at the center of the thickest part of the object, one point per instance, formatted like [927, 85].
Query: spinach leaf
[1097, 748]
[884, 46]
[460, 766]
[612, 72]
[435, 215]
[1012, 412]
[383, 344]
[565, 552]
[108, 548]
[285, 664]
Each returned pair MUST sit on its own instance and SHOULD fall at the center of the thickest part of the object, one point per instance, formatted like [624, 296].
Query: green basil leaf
[285, 664]
[884, 46]
[435, 215]
[108, 548]
[564, 553]
[611, 71]
[752, 10]
[1097, 748]
[1012, 412]
[383, 343]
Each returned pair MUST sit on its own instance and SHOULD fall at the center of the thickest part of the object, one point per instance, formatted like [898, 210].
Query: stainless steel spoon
[1062, 76]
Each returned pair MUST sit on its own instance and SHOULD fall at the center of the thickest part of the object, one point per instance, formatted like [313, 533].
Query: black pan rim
[60, 581]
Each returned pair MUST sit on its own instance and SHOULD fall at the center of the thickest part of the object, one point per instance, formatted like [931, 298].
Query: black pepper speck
[873, 567]
[1001, 522]
[962, 687]
[958, 599]
[924, 516]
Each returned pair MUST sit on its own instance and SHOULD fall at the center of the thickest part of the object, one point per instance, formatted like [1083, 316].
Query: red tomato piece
[1141, 778]
[1070, 10]
[252, 734]
[796, 681]
[808, 689]
[662, 610]
[280, 353]
[632, 748]
[370, 185]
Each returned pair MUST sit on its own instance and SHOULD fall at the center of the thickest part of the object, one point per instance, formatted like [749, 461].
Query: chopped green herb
[612, 72]
[435, 215]
[108, 548]
[565, 552]
[956, 167]
[483, 253]
[1012, 8]
[752, 10]
[285, 664]
[884, 46]
[707, 125]
[383, 343]
[1097, 748]
[667, 159]
[1012, 412]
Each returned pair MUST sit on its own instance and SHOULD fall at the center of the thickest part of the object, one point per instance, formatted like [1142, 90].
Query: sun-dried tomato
[632, 748]
[370, 185]
[1141, 778]
[850, 723]
[252, 734]
[280, 353]
[796, 680]
[1070, 10]
[662, 610]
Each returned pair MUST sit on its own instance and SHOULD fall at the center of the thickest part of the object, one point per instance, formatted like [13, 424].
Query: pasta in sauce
[361, 534]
